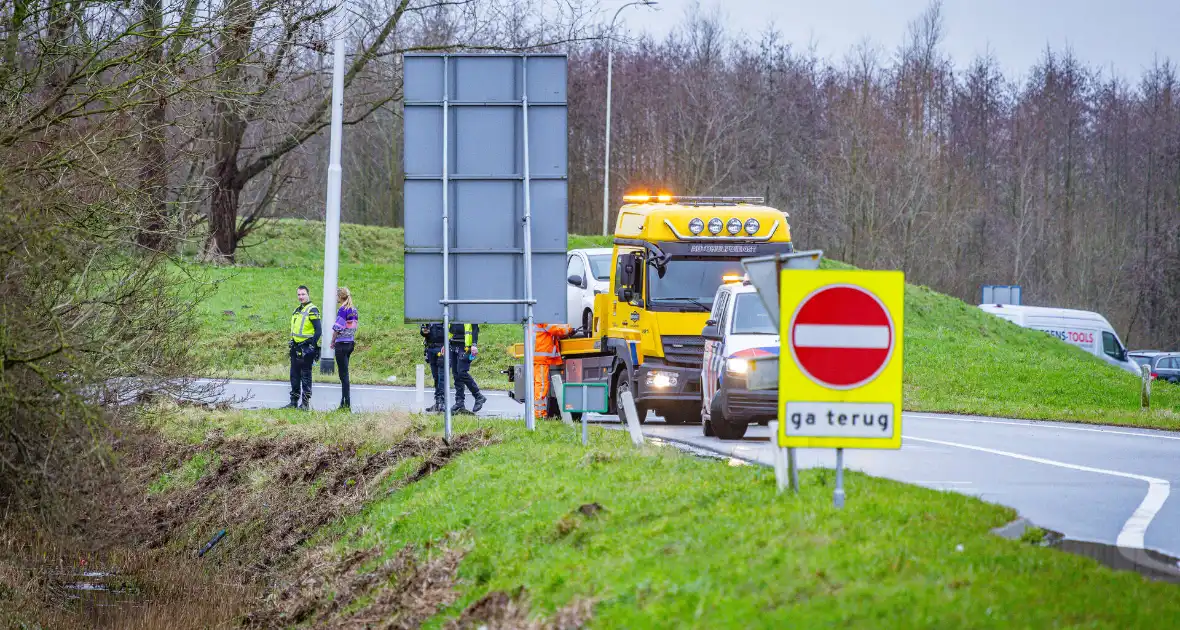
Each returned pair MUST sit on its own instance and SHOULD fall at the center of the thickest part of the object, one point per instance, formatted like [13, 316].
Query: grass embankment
[958, 358]
[534, 525]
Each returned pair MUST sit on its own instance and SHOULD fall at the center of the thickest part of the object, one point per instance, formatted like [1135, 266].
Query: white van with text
[1085, 329]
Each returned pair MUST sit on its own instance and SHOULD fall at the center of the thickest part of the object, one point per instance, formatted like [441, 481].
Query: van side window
[1111, 346]
[723, 316]
[719, 307]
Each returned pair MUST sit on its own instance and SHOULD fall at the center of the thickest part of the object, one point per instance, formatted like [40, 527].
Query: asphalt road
[1093, 483]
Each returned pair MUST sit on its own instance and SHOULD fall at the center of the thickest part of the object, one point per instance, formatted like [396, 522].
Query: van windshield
[750, 316]
[689, 283]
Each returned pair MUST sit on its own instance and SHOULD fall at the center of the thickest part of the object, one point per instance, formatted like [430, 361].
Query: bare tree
[89, 316]
[263, 76]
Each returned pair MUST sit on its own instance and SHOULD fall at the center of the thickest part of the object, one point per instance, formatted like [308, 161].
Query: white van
[1084, 329]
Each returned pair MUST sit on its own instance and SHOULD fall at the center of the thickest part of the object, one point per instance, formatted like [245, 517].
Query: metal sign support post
[332, 210]
[838, 495]
[446, 252]
[792, 465]
[530, 333]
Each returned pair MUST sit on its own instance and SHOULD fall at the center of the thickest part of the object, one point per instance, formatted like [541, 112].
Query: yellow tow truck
[670, 255]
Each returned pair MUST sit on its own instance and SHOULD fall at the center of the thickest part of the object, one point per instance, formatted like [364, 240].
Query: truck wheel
[722, 427]
[623, 384]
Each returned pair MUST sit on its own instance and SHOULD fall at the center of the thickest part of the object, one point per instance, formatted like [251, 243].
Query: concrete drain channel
[1151, 564]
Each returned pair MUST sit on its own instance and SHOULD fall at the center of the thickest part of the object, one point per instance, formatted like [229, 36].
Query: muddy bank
[221, 534]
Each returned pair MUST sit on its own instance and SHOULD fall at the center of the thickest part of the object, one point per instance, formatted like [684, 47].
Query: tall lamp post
[610, 58]
[332, 210]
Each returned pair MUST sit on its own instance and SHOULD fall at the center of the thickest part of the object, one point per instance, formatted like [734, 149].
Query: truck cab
[670, 256]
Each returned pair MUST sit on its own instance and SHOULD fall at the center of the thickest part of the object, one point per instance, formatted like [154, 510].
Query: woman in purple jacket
[343, 340]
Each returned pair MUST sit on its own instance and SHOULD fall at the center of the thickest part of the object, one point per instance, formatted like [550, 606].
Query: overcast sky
[1123, 37]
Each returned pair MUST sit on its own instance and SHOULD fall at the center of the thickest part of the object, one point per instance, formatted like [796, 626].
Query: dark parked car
[1165, 366]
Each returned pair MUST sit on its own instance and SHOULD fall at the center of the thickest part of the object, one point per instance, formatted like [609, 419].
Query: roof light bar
[691, 200]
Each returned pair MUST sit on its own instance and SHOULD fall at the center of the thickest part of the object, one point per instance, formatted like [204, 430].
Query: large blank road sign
[840, 383]
[484, 98]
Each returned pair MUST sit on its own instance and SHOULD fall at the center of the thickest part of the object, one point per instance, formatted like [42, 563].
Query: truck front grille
[683, 350]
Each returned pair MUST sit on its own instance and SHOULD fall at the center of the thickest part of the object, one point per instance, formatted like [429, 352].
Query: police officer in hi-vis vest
[463, 352]
[305, 349]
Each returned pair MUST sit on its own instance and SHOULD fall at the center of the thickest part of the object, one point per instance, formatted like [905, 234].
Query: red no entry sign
[841, 336]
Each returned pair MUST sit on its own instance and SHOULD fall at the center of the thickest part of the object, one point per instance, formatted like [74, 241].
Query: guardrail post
[838, 495]
[420, 386]
[1145, 394]
[786, 471]
[631, 416]
[559, 394]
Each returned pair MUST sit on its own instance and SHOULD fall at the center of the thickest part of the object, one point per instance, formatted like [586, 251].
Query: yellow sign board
[840, 365]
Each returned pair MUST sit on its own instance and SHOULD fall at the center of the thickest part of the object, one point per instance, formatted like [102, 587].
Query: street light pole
[610, 59]
[332, 209]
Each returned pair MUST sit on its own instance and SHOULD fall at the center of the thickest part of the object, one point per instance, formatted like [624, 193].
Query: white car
[587, 274]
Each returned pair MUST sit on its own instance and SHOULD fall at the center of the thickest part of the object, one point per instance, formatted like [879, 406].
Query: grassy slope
[686, 542]
[261, 293]
[958, 358]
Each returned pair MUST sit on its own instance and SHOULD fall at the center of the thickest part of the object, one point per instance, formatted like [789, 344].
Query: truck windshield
[750, 316]
[689, 284]
[600, 266]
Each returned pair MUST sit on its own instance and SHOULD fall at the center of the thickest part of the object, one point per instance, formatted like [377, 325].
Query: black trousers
[300, 376]
[461, 368]
[343, 353]
[435, 359]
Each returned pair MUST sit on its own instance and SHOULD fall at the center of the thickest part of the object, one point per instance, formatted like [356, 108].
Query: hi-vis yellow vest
[302, 327]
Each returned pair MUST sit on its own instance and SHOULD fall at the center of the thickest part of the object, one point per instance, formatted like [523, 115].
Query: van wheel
[722, 427]
[623, 384]
[587, 322]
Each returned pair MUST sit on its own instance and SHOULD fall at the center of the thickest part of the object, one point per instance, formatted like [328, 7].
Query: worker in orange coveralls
[545, 354]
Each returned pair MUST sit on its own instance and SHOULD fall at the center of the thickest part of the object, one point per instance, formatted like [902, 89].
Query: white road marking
[947, 483]
[1135, 528]
[838, 336]
[1158, 433]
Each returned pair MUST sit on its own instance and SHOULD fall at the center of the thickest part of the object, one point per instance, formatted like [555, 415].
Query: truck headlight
[696, 226]
[737, 366]
[734, 226]
[661, 380]
[715, 226]
[752, 226]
